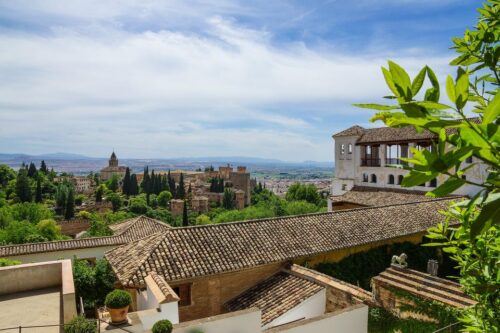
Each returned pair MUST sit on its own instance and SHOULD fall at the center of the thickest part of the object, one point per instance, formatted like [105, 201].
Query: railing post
[20, 329]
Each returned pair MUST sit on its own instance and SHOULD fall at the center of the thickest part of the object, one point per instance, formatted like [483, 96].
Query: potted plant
[117, 303]
[162, 326]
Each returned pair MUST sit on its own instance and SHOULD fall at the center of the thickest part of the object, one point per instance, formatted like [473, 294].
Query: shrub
[80, 325]
[118, 299]
[4, 262]
[162, 326]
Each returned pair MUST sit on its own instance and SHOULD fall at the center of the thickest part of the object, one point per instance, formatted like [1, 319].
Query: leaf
[433, 93]
[415, 178]
[450, 89]
[433, 105]
[418, 81]
[461, 90]
[492, 111]
[401, 80]
[389, 81]
[450, 185]
[377, 106]
[489, 215]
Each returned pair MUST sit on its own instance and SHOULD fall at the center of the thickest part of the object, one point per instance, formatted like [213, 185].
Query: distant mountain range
[77, 163]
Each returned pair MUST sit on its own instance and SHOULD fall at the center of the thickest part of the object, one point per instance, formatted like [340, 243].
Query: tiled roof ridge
[311, 214]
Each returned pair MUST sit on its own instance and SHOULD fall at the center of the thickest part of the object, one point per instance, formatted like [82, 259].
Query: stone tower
[113, 161]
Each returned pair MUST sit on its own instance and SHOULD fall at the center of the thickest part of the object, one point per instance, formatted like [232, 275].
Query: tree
[99, 192]
[138, 205]
[202, 220]
[145, 186]
[181, 190]
[49, 229]
[112, 183]
[116, 201]
[69, 211]
[23, 188]
[134, 188]
[309, 193]
[164, 198]
[228, 199]
[6, 174]
[126, 183]
[32, 170]
[43, 168]
[185, 218]
[474, 243]
[38, 192]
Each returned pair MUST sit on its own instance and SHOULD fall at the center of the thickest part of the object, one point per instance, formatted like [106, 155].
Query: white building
[371, 158]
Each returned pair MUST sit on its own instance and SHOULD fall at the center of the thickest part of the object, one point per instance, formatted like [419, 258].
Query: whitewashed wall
[245, 321]
[312, 307]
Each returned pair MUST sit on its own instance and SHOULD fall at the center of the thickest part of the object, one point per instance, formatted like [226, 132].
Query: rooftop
[123, 233]
[275, 296]
[189, 252]
[425, 286]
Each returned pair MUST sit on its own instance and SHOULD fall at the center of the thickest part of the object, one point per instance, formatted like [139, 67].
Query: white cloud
[168, 93]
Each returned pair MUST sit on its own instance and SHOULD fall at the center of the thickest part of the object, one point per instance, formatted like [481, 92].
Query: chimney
[432, 267]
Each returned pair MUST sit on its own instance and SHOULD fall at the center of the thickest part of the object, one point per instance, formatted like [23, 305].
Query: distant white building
[372, 158]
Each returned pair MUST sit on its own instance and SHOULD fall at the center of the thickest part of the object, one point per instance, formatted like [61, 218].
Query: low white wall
[88, 253]
[312, 307]
[350, 320]
[245, 321]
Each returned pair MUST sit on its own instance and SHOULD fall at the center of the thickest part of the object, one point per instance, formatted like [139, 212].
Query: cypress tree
[69, 212]
[43, 167]
[145, 180]
[134, 188]
[126, 182]
[221, 185]
[181, 192]
[171, 184]
[185, 219]
[38, 193]
[152, 183]
[23, 189]
[98, 194]
[228, 199]
[32, 170]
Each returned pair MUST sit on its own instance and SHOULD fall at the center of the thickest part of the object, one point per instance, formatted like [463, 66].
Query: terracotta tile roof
[124, 232]
[367, 196]
[424, 285]
[168, 294]
[275, 296]
[188, 252]
[351, 131]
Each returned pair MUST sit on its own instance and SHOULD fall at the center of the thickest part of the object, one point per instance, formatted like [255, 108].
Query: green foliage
[475, 243]
[98, 228]
[185, 218]
[118, 299]
[80, 324]
[79, 199]
[202, 220]
[6, 174]
[164, 198]
[99, 192]
[228, 199]
[112, 183]
[380, 320]
[32, 212]
[92, 283]
[138, 205]
[303, 192]
[359, 268]
[162, 326]
[69, 211]
[49, 229]
[116, 201]
[4, 262]
[23, 186]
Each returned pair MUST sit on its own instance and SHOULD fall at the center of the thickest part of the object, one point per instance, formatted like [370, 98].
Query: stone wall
[176, 207]
[73, 227]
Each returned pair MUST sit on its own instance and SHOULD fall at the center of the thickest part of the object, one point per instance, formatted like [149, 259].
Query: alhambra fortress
[256, 276]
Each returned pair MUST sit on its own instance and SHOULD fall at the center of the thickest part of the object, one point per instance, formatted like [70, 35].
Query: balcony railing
[372, 162]
[396, 161]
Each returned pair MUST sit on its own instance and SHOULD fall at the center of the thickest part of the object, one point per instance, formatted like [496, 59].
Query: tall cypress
[126, 182]
[32, 170]
[171, 183]
[181, 192]
[23, 189]
[43, 167]
[38, 193]
[185, 219]
[69, 212]
[134, 188]
[145, 180]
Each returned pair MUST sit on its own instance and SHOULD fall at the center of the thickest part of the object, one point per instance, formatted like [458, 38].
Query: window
[342, 149]
[349, 148]
[400, 179]
[344, 187]
[433, 183]
[374, 178]
[469, 160]
[464, 177]
[184, 293]
[391, 179]
[365, 178]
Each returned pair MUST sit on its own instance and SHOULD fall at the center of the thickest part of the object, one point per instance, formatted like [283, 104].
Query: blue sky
[160, 79]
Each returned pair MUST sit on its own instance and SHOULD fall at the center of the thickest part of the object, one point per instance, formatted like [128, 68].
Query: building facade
[373, 158]
[112, 169]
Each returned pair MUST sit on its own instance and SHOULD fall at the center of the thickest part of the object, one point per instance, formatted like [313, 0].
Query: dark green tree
[134, 188]
[145, 185]
[185, 218]
[99, 192]
[112, 183]
[38, 193]
[116, 201]
[69, 212]
[23, 188]
[181, 190]
[32, 170]
[43, 168]
[126, 182]
[228, 199]
[6, 174]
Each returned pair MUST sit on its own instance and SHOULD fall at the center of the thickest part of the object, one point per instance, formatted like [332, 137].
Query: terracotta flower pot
[118, 316]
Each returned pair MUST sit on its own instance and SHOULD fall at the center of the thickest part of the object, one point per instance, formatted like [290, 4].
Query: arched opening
[391, 179]
[400, 179]
[433, 183]
[365, 178]
[373, 178]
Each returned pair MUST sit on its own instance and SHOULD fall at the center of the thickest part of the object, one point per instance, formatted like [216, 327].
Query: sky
[187, 78]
